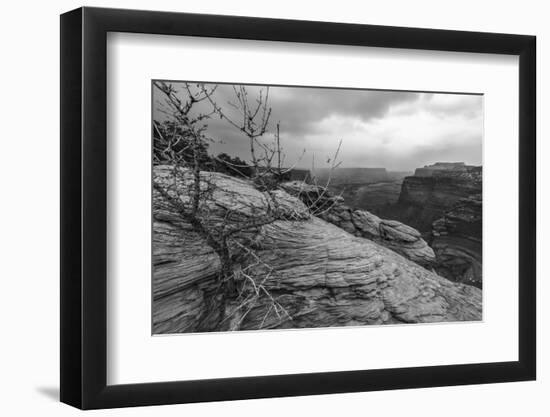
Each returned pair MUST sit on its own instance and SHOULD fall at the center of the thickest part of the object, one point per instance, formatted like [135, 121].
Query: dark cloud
[393, 129]
[300, 109]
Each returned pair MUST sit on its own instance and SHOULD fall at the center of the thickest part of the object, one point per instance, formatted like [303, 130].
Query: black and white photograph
[269, 209]
[286, 207]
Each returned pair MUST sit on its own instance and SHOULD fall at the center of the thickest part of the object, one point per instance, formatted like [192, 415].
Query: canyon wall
[425, 198]
[444, 202]
[457, 241]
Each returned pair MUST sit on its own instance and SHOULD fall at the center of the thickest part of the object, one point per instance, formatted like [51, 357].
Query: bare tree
[244, 278]
[318, 203]
[191, 195]
[253, 118]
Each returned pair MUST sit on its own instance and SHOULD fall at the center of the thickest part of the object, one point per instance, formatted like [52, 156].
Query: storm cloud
[397, 130]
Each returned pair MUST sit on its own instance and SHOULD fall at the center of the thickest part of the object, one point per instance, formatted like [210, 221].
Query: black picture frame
[84, 207]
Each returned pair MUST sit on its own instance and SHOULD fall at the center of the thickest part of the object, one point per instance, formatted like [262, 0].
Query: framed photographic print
[257, 207]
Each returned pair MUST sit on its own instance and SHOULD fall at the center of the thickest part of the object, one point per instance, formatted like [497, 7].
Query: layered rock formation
[457, 241]
[443, 201]
[438, 167]
[426, 197]
[392, 234]
[307, 272]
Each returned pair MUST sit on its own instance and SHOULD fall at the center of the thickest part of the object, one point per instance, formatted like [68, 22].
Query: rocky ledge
[315, 273]
[392, 234]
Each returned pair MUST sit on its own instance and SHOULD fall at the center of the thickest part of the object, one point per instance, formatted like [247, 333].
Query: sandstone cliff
[307, 272]
[444, 202]
[457, 241]
[438, 167]
[425, 198]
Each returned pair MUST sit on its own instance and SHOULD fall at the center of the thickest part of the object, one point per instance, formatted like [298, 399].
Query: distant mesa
[443, 168]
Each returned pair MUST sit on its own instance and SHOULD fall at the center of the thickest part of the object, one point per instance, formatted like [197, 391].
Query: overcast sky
[396, 130]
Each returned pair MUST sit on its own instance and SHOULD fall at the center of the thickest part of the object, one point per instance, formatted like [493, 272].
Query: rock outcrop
[457, 241]
[425, 198]
[318, 274]
[392, 234]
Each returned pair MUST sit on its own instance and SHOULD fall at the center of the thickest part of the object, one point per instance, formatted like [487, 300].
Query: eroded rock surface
[390, 233]
[319, 274]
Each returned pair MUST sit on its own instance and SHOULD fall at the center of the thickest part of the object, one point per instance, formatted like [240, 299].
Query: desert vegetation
[181, 142]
